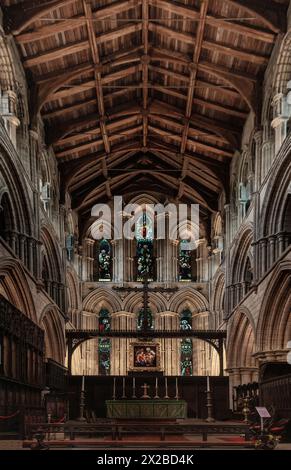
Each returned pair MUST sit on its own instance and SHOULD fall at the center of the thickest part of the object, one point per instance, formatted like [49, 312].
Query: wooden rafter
[97, 75]
[145, 68]
[189, 12]
[209, 45]
[121, 51]
[193, 72]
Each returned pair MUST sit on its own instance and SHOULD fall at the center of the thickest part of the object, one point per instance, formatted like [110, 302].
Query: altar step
[137, 444]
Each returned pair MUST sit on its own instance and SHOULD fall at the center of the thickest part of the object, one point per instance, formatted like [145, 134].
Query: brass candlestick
[246, 410]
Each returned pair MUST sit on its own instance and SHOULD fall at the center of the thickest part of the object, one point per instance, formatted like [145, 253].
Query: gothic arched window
[185, 262]
[186, 361]
[103, 261]
[144, 247]
[104, 344]
[140, 319]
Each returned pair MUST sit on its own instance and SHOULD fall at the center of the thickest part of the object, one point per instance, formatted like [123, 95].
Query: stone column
[258, 137]
[174, 245]
[281, 116]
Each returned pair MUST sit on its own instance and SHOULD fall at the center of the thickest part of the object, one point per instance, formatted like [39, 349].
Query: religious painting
[145, 356]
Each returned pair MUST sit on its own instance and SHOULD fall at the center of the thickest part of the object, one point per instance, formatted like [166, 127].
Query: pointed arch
[54, 328]
[189, 298]
[102, 298]
[274, 324]
[15, 287]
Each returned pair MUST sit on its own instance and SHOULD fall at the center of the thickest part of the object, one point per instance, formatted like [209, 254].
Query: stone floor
[17, 445]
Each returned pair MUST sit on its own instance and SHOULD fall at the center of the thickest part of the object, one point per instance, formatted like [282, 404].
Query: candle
[123, 388]
[133, 383]
[114, 388]
[208, 384]
[166, 387]
[177, 395]
[83, 383]
[156, 383]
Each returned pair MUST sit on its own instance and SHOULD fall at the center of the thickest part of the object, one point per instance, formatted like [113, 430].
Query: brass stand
[209, 406]
[82, 406]
[246, 410]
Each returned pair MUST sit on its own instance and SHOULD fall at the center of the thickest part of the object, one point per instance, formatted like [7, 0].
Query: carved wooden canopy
[145, 94]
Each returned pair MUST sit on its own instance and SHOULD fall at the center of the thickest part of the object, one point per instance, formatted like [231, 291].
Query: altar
[146, 409]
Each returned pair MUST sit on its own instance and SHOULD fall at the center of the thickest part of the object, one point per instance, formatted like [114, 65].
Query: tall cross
[145, 388]
[145, 323]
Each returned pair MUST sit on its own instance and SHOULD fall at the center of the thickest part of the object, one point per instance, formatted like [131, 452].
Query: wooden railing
[118, 429]
[276, 393]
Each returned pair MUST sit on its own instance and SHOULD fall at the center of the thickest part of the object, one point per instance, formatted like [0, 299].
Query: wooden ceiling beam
[62, 132]
[216, 152]
[51, 29]
[209, 45]
[207, 104]
[48, 87]
[55, 54]
[86, 145]
[193, 132]
[21, 16]
[193, 68]
[265, 11]
[145, 68]
[189, 12]
[220, 128]
[97, 74]
[184, 59]
[114, 76]
[69, 109]
[118, 32]
[115, 8]
[78, 124]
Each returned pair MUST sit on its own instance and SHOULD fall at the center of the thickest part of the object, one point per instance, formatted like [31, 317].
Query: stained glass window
[104, 261]
[150, 319]
[185, 267]
[104, 344]
[186, 361]
[144, 237]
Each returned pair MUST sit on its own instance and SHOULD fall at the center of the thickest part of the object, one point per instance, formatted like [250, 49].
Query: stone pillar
[8, 113]
[281, 116]
[174, 246]
[118, 257]
[258, 137]
[30, 255]
[170, 347]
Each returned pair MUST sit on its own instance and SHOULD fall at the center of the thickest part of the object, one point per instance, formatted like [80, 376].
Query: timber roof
[145, 95]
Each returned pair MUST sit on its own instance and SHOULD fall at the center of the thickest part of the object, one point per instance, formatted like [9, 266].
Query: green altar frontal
[146, 409]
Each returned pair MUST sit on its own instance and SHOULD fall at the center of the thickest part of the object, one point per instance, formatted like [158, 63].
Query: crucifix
[145, 325]
[145, 388]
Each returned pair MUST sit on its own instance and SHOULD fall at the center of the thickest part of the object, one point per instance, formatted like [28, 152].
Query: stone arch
[283, 67]
[276, 202]
[242, 254]
[133, 302]
[240, 350]
[102, 298]
[73, 296]
[55, 345]
[217, 300]
[274, 324]
[188, 298]
[13, 185]
[15, 287]
[7, 76]
[51, 255]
